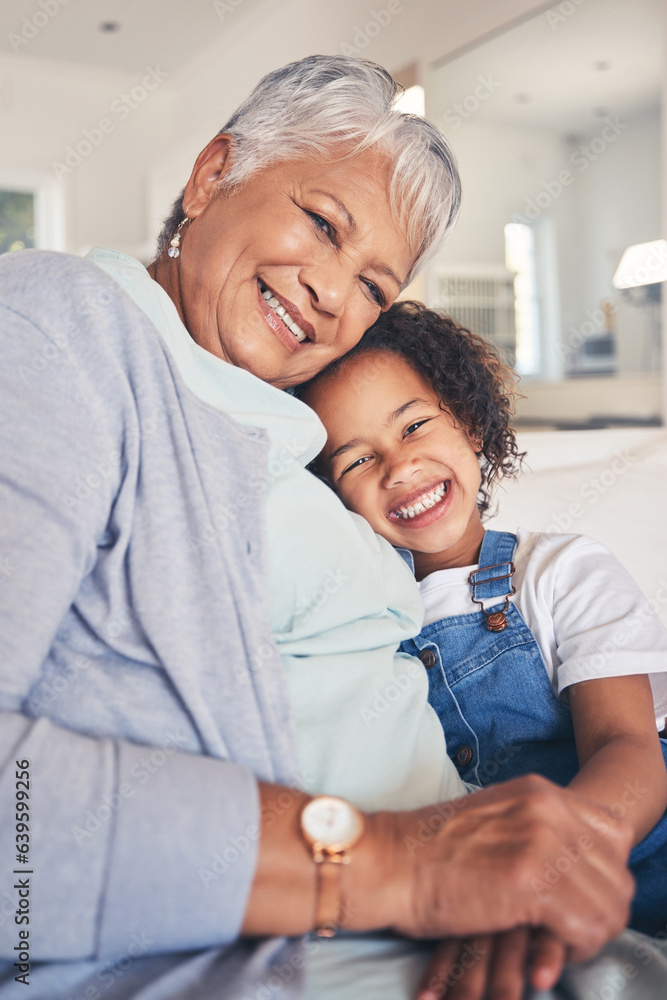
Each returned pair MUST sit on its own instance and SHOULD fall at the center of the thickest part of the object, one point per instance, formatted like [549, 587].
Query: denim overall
[501, 717]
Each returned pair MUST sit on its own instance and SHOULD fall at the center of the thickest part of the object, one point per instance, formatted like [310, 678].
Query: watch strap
[327, 914]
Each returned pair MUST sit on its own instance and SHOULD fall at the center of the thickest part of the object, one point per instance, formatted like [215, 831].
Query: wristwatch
[330, 826]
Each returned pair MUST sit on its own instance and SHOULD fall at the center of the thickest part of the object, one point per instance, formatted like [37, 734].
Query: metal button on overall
[463, 756]
[427, 656]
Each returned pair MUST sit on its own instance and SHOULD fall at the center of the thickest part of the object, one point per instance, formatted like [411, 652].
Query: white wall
[502, 168]
[511, 172]
[617, 203]
[118, 192]
[49, 107]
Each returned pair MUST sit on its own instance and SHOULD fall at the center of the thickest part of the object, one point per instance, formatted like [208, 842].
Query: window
[520, 258]
[17, 220]
[412, 101]
[30, 211]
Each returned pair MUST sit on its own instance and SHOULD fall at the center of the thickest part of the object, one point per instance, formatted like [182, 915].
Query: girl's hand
[493, 966]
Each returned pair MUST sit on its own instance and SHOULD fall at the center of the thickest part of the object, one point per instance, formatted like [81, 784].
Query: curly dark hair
[475, 386]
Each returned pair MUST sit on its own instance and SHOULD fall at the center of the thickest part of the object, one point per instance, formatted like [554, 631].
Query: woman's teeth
[280, 311]
[423, 503]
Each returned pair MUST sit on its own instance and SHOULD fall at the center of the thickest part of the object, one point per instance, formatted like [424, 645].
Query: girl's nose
[401, 469]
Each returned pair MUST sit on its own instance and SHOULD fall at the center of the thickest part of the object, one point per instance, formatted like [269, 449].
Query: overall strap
[494, 576]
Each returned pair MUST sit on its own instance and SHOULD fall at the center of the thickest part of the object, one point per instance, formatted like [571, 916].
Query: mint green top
[341, 600]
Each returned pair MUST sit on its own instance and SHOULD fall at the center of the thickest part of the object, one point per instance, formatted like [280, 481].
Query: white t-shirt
[588, 616]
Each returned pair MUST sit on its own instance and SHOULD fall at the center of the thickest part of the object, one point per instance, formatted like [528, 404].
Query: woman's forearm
[282, 898]
[465, 867]
[132, 836]
[284, 892]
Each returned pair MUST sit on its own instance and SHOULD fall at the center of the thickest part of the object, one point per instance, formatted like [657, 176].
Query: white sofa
[610, 484]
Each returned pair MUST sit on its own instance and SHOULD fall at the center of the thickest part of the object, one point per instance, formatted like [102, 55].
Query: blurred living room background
[556, 114]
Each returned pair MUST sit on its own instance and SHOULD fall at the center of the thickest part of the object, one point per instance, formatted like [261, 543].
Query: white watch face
[332, 822]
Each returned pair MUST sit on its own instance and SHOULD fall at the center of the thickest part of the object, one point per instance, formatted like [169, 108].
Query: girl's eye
[355, 465]
[413, 427]
[375, 291]
[322, 224]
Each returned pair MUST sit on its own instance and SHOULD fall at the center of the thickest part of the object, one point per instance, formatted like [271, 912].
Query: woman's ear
[214, 161]
[477, 442]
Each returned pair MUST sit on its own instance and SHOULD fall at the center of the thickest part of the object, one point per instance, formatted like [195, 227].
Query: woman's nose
[329, 284]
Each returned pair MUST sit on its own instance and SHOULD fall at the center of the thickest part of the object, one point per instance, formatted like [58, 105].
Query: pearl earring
[174, 250]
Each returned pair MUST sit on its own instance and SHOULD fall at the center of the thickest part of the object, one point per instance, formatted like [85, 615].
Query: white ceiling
[164, 32]
[546, 72]
[550, 62]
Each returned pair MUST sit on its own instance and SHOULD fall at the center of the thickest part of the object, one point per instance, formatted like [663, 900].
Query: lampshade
[642, 264]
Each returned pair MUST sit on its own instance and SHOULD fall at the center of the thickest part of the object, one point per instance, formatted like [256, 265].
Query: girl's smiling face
[398, 458]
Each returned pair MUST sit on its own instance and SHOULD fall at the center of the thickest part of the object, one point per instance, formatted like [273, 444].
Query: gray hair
[308, 108]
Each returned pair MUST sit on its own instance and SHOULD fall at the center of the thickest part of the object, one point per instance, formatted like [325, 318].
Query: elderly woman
[196, 636]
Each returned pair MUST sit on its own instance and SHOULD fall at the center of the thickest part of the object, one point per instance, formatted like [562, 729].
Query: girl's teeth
[280, 311]
[424, 503]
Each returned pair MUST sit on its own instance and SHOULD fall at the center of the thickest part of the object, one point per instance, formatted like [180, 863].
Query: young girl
[542, 654]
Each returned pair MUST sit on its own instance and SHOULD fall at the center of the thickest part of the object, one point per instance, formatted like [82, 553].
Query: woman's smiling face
[396, 457]
[285, 274]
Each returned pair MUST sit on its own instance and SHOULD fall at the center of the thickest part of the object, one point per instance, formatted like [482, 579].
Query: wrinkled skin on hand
[526, 853]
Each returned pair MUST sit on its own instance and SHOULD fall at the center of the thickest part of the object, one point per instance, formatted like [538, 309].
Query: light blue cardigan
[133, 614]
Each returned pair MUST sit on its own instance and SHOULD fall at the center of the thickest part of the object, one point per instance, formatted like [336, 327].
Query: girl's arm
[620, 757]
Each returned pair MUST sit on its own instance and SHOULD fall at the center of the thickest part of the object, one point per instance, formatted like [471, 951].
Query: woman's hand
[493, 966]
[523, 853]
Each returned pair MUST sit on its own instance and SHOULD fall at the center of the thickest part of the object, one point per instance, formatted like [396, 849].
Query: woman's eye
[323, 225]
[355, 465]
[375, 291]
